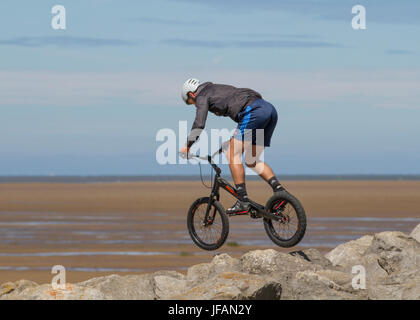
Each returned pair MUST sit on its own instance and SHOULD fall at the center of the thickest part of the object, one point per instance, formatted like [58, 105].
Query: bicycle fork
[213, 196]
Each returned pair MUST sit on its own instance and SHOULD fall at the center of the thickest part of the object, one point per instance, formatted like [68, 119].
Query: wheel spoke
[211, 233]
[285, 228]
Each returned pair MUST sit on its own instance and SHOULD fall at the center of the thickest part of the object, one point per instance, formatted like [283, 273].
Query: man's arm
[199, 122]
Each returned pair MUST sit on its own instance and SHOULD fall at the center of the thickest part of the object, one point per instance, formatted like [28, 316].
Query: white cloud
[82, 88]
[385, 88]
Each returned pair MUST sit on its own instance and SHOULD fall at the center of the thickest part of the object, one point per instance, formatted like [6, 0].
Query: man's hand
[184, 152]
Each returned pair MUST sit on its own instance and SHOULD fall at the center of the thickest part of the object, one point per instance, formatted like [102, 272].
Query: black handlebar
[209, 158]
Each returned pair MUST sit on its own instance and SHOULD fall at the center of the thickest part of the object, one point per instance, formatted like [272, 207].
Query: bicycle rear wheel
[210, 234]
[290, 229]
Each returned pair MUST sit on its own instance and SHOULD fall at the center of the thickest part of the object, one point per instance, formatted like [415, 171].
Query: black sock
[241, 189]
[275, 184]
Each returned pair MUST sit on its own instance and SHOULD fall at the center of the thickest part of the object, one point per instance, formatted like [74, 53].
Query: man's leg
[267, 116]
[234, 156]
[252, 160]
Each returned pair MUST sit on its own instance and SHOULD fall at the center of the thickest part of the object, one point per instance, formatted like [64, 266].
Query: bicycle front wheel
[210, 234]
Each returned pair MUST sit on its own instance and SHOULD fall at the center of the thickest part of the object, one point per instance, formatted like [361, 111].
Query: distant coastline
[121, 178]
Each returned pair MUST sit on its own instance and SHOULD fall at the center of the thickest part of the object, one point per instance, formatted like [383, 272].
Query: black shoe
[240, 207]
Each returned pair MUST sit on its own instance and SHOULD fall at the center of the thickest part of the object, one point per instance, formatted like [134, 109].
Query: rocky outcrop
[390, 262]
[415, 234]
[22, 290]
[349, 253]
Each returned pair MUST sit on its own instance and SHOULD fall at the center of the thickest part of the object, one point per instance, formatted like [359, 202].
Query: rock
[117, 287]
[270, 291]
[198, 273]
[313, 256]
[166, 286]
[224, 263]
[415, 234]
[16, 287]
[410, 291]
[392, 266]
[276, 266]
[221, 279]
[203, 271]
[407, 287]
[272, 262]
[310, 285]
[340, 278]
[46, 292]
[349, 253]
[232, 286]
[395, 253]
[411, 288]
[390, 260]
[260, 261]
[391, 241]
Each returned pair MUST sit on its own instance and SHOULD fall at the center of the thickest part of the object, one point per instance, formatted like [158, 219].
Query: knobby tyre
[212, 234]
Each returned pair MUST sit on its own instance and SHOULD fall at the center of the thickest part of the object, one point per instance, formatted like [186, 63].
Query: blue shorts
[258, 115]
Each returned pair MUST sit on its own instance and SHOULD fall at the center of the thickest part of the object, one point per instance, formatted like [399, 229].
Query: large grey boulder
[274, 263]
[117, 287]
[15, 288]
[415, 234]
[392, 266]
[232, 286]
[349, 253]
[323, 285]
[47, 292]
[390, 260]
[203, 271]
[157, 285]
[166, 285]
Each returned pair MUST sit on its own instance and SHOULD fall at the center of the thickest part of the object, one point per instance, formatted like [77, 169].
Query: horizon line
[192, 177]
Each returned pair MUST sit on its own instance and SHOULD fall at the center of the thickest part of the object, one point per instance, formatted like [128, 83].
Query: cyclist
[251, 112]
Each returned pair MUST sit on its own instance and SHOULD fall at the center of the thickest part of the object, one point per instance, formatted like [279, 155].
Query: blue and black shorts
[258, 115]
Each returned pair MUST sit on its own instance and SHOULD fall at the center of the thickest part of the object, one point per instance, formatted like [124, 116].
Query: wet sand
[95, 229]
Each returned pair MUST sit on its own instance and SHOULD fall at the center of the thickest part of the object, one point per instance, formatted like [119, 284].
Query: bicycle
[279, 215]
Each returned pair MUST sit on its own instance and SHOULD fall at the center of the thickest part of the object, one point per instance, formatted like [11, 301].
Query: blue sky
[90, 99]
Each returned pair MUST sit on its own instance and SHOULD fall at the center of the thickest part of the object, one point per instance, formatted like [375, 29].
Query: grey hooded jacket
[220, 99]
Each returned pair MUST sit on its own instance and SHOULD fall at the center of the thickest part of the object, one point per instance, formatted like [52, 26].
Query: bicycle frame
[219, 182]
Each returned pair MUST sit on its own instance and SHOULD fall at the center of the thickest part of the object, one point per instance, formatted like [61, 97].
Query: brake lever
[187, 156]
[183, 155]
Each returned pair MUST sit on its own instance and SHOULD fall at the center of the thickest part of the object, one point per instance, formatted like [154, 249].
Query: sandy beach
[94, 229]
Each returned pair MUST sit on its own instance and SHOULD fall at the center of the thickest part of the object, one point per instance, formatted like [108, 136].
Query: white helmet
[190, 85]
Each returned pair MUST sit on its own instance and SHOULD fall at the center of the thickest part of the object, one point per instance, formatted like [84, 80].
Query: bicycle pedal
[254, 214]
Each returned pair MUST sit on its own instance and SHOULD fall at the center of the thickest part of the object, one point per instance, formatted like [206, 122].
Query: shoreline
[180, 178]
